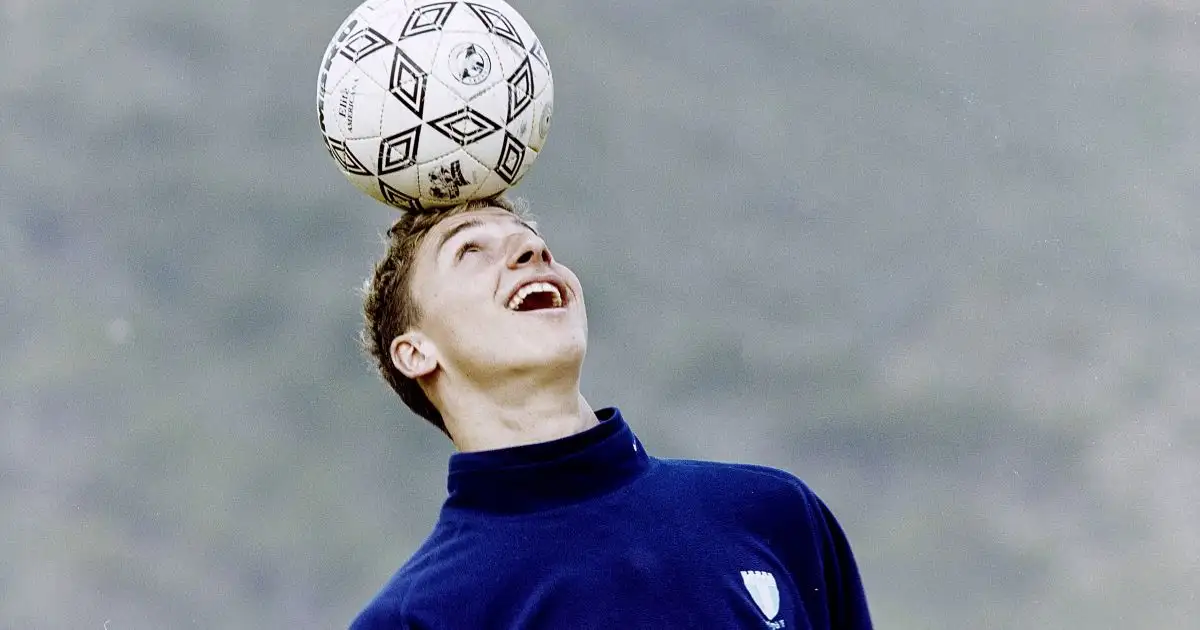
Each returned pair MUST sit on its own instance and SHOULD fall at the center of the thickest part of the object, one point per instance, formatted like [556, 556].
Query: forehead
[482, 215]
[459, 223]
[450, 227]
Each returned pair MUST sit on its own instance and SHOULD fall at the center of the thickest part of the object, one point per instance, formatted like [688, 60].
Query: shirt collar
[547, 475]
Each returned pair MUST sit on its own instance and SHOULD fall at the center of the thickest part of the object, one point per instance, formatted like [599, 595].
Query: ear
[413, 354]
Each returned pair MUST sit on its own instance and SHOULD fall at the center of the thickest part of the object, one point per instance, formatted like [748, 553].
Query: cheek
[448, 305]
[457, 316]
[576, 286]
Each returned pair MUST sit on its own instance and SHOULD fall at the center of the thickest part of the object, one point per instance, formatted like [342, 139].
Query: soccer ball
[425, 104]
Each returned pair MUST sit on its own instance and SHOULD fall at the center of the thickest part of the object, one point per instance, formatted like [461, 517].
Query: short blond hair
[389, 309]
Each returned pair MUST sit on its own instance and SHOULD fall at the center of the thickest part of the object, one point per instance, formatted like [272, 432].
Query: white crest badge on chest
[764, 591]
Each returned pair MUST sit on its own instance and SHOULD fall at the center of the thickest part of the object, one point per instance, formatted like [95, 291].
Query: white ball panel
[463, 19]
[523, 127]
[365, 183]
[479, 172]
[421, 49]
[487, 149]
[441, 107]
[366, 152]
[405, 180]
[508, 56]
[543, 80]
[441, 98]
[492, 102]
[395, 114]
[434, 145]
[491, 187]
[377, 65]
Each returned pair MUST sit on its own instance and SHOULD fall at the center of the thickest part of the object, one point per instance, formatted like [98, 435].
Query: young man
[557, 517]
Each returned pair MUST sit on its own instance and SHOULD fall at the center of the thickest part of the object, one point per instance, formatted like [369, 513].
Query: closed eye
[467, 248]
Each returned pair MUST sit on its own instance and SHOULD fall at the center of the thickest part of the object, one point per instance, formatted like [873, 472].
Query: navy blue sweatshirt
[590, 532]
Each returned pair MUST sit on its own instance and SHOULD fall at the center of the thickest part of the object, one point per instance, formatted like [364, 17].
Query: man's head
[470, 296]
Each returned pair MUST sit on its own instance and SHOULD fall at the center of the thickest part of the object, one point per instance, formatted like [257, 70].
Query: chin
[566, 354]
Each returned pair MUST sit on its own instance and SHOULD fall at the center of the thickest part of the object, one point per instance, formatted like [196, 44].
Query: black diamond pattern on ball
[520, 89]
[345, 158]
[465, 126]
[399, 151]
[407, 83]
[398, 199]
[496, 23]
[512, 155]
[429, 18]
[364, 43]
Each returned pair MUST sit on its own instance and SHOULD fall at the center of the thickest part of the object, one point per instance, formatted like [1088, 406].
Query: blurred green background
[936, 257]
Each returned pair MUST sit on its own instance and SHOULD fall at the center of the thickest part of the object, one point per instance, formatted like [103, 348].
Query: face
[493, 300]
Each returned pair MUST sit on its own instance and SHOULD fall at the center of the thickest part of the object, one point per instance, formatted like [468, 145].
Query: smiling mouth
[536, 296]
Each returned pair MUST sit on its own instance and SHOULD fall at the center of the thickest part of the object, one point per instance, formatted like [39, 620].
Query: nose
[529, 249]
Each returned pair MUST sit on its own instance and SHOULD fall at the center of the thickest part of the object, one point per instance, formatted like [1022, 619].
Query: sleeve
[373, 619]
[383, 613]
[847, 600]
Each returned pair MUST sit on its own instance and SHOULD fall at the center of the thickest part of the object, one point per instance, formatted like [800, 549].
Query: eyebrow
[470, 223]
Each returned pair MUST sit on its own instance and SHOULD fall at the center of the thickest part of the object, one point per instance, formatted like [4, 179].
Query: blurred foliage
[935, 258]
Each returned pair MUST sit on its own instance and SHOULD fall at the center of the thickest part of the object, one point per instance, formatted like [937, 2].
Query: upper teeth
[535, 287]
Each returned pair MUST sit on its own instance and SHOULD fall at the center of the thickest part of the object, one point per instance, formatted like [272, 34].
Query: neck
[515, 412]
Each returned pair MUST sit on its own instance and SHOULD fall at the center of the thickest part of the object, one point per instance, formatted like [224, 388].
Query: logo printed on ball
[327, 63]
[345, 108]
[470, 63]
[445, 180]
